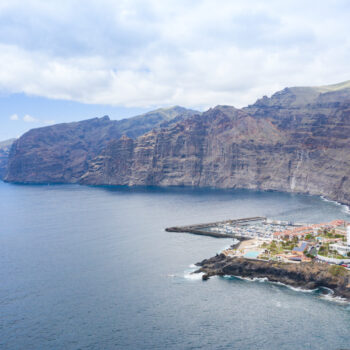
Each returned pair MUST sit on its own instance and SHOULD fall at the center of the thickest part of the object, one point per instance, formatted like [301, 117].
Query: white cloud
[150, 53]
[49, 122]
[29, 119]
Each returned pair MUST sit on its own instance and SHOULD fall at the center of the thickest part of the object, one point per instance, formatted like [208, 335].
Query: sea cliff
[295, 141]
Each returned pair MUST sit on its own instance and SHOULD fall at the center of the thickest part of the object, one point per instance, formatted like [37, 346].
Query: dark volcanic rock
[303, 275]
[5, 147]
[61, 153]
[295, 141]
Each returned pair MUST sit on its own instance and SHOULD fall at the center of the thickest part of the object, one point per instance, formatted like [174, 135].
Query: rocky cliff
[296, 141]
[5, 147]
[61, 153]
[303, 275]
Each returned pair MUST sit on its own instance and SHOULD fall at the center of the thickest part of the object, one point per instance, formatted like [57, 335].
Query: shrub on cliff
[337, 270]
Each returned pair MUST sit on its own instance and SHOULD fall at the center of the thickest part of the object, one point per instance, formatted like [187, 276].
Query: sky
[76, 59]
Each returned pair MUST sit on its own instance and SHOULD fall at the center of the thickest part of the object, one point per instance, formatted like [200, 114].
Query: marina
[261, 238]
[241, 229]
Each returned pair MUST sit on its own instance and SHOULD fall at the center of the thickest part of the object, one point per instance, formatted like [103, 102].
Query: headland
[306, 256]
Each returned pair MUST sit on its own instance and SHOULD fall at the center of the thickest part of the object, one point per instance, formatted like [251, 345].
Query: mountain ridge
[295, 141]
[60, 153]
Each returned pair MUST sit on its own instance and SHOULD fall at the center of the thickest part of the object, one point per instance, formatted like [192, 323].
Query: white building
[342, 249]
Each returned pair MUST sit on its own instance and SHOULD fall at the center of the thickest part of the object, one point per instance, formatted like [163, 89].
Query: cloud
[29, 119]
[152, 53]
[49, 122]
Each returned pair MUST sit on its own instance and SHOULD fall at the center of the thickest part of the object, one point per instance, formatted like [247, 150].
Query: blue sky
[72, 59]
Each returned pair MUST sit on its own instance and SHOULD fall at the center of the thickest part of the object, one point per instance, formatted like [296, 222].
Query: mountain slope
[296, 141]
[60, 153]
[5, 147]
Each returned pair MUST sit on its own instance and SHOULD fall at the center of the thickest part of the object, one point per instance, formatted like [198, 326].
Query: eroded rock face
[296, 141]
[5, 147]
[61, 153]
[303, 275]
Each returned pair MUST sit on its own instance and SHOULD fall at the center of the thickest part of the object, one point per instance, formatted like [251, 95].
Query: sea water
[93, 268]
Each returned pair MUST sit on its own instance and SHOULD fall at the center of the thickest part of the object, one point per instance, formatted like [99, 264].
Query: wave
[296, 289]
[329, 296]
[265, 279]
[332, 298]
[248, 279]
[345, 208]
[190, 275]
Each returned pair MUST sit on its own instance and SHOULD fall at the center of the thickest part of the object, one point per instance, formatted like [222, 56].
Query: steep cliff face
[61, 153]
[296, 141]
[217, 148]
[5, 147]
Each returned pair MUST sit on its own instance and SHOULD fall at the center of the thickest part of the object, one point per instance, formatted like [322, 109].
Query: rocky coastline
[307, 276]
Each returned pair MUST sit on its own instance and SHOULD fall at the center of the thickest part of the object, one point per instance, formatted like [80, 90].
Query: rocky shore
[304, 275]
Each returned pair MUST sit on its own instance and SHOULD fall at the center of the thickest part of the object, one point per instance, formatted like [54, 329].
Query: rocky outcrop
[303, 275]
[5, 147]
[61, 153]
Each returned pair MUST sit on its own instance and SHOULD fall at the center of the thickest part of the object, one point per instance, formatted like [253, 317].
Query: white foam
[265, 279]
[331, 297]
[254, 279]
[296, 289]
[345, 208]
[190, 275]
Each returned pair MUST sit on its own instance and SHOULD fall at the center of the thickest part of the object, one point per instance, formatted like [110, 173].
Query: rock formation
[297, 141]
[5, 147]
[61, 153]
[303, 275]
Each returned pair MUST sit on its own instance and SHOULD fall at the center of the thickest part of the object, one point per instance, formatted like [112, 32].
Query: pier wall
[199, 229]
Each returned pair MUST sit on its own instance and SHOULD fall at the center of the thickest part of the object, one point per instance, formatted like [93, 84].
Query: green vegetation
[288, 245]
[328, 253]
[333, 87]
[309, 237]
[337, 270]
[331, 234]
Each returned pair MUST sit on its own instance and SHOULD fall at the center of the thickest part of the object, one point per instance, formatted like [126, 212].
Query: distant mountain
[5, 147]
[299, 97]
[297, 141]
[61, 153]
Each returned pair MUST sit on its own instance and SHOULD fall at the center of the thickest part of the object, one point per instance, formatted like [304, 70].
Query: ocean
[93, 268]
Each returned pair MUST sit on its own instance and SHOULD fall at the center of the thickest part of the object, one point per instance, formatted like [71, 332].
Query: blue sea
[93, 268]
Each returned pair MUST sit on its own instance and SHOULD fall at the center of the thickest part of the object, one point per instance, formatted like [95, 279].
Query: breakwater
[205, 229]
